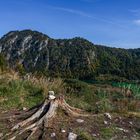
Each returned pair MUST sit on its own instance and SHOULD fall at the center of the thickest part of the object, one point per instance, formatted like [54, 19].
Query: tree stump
[42, 117]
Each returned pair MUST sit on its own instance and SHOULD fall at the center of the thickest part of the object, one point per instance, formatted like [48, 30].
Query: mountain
[33, 51]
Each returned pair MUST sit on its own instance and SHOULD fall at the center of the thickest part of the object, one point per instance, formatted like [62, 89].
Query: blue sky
[109, 22]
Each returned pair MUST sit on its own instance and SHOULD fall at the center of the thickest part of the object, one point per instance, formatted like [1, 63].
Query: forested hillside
[32, 51]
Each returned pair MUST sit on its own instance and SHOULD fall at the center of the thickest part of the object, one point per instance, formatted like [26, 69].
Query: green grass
[18, 94]
[107, 133]
[135, 88]
[99, 100]
[85, 96]
[22, 93]
[80, 94]
[85, 136]
[128, 103]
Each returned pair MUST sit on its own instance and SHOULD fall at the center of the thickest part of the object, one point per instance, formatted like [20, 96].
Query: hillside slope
[74, 58]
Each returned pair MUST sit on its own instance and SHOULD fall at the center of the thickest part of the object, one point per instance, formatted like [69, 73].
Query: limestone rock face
[35, 51]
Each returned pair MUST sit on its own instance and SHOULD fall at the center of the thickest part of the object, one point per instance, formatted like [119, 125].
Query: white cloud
[137, 22]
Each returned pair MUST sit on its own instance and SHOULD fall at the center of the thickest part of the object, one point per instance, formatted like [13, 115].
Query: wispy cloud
[76, 12]
[86, 15]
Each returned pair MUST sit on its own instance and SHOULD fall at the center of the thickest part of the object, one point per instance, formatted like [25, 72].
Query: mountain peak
[24, 33]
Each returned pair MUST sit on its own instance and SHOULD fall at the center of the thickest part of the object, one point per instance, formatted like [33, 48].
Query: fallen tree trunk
[42, 117]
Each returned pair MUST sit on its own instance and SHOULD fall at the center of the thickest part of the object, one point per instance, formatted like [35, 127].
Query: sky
[113, 23]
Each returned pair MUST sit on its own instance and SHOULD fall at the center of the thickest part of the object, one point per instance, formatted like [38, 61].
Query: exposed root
[33, 117]
[41, 118]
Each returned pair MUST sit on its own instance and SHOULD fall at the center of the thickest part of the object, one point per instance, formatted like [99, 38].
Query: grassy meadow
[18, 92]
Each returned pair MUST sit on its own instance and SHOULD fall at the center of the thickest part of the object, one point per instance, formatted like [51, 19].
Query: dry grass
[47, 84]
[9, 75]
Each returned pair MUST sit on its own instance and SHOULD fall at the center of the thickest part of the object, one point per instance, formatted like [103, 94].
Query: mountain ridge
[73, 58]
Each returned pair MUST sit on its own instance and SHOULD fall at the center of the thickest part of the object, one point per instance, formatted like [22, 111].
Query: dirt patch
[119, 127]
